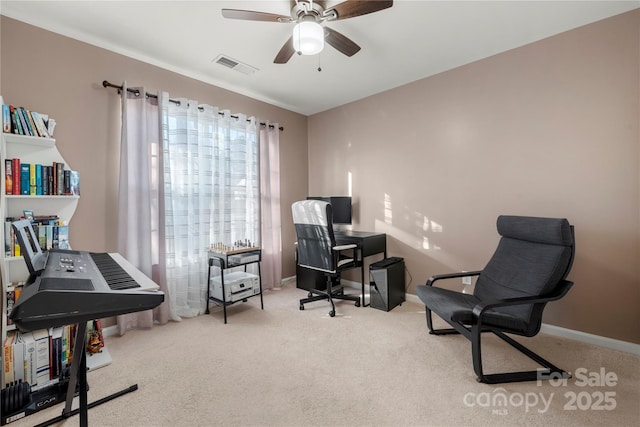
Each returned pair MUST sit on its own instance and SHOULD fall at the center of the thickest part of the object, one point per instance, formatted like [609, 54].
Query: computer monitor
[340, 205]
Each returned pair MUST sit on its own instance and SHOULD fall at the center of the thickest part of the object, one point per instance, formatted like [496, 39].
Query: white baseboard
[110, 331]
[598, 340]
[627, 347]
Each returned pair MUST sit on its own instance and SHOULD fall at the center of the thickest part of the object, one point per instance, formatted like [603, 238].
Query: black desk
[369, 243]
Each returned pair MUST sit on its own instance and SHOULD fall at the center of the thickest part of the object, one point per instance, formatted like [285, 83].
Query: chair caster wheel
[301, 307]
[332, 313]
[357, 304]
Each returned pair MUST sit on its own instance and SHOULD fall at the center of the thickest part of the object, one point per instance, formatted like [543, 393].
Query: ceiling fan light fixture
[308, 38]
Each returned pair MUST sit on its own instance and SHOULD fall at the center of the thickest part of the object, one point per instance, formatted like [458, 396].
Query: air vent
[235, 65]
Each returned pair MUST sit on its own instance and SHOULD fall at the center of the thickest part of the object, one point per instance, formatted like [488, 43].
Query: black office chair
[317, 250]
[527, 270]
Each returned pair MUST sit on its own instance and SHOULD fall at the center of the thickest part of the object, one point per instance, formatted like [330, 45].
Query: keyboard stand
[79, 377]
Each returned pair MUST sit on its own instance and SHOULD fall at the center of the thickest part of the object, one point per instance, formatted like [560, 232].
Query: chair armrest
[344, 247]
[560, 291]
[435, 278]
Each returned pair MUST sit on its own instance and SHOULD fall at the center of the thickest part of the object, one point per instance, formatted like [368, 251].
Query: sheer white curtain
[191, 177]
[211, 193]
[271, 228]
[137, 196]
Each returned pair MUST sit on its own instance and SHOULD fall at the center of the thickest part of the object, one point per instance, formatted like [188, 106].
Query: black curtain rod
[151, 95]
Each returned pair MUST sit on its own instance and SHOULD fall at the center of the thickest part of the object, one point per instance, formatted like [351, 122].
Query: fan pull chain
[319, 67]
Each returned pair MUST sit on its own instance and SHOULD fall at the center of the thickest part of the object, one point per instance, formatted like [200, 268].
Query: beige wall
[60, 76]
[548, 129]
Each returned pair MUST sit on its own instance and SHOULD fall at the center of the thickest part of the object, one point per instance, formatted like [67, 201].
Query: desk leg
[224, 295]
[364, 304]
[260, 283]
[206, 310]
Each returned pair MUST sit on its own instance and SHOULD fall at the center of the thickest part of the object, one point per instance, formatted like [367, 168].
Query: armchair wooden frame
[477, 327]
[528, 270]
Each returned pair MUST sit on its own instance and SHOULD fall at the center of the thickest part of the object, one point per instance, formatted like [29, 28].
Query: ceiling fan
[308, 35]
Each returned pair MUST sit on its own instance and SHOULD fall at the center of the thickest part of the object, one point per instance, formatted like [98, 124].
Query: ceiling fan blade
[352, 8]
[340, 42]
[286, 52]
[251, 15]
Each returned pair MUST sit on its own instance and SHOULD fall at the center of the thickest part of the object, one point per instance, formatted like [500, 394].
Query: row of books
[34, 179]
[13, 293]
[52, 233]
[22, 121]
[38, 357]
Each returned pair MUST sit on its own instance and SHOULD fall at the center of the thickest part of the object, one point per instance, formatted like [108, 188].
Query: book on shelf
[63, 237]
[25, 178]
[12, 295]
[7, 358]
[8, 176]
[8, 238]
[32, 179]
[74, 183]
[15, 121]
[35, 179]
[16, 176]
[40, 124]
[30, 122]
[6, 119]
[47, 229]
[60, 178]
[38, 179]
[23, 121]
[40, 357]
[18, 359]
[34, 128]
[29, 354]
[43, 370]
[45, 180]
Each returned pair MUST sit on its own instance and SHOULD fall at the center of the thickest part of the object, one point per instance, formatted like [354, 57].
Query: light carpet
[365, 367]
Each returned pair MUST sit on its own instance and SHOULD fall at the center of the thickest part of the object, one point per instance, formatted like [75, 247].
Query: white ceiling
[412, 40]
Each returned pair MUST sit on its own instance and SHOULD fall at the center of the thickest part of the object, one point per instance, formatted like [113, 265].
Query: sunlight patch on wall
[388, 209]
[425, 243]
[430, 225]
[417, 241]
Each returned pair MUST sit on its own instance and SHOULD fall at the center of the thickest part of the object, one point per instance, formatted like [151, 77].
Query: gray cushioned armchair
[527, 270]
